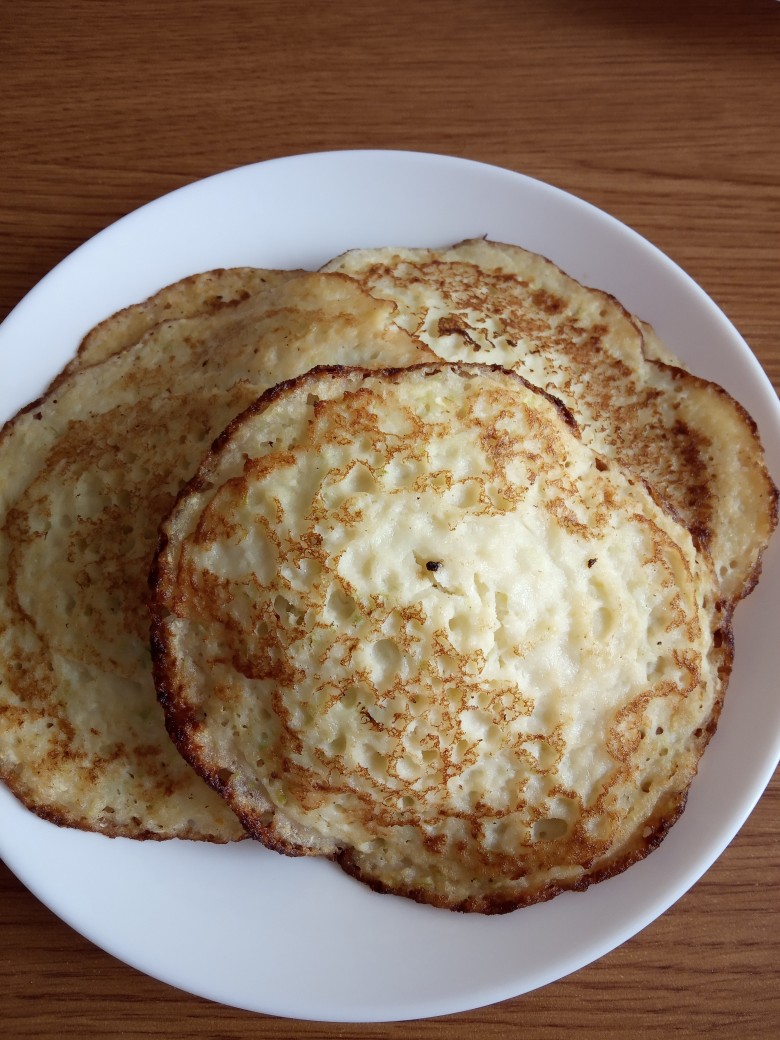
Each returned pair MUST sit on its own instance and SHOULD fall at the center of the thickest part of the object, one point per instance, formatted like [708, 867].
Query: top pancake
[488, 302]
[408, 620]
[88, 472]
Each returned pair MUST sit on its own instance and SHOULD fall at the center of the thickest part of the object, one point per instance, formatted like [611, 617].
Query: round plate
[298, 938]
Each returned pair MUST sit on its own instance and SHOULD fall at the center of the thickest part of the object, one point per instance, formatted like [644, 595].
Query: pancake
[654, 348]
[88, 472]
[483, 301]
[409, 621]
[199, 295]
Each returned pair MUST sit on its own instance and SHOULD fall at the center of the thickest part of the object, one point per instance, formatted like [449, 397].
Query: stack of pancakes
[444, 552]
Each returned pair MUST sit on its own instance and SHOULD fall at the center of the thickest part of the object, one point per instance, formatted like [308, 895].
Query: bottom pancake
[88, 472]
[408, 621]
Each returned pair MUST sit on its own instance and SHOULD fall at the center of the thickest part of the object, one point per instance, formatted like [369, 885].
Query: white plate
[298, 938]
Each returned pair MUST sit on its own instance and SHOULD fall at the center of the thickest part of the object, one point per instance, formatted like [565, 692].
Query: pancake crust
[410, 621]
[484, 301]
[199, 295]
[88, 472]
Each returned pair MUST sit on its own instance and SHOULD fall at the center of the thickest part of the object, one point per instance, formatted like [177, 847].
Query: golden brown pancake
[199, 295]
[88, 472]
[484, 301]
[408, 620]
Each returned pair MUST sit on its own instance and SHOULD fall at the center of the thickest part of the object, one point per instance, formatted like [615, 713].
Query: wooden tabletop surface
[666, 114]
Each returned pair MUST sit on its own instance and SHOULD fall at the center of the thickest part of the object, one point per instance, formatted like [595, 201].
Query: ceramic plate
[298, 938]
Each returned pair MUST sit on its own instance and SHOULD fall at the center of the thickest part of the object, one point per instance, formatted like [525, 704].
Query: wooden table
[666, 114]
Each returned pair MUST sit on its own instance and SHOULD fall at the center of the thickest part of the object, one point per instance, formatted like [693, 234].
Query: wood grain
[665, 114]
